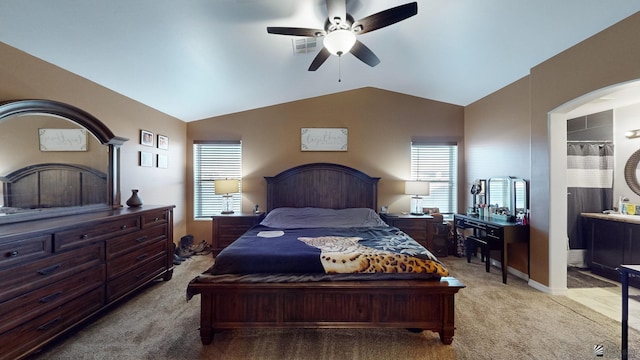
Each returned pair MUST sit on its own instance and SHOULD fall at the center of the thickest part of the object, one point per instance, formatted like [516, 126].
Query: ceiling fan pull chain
[339, 68]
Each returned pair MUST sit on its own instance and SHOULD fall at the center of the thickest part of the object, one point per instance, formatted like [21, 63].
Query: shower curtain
[589, 185]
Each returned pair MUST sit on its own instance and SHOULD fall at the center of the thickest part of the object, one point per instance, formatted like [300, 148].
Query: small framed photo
[163, 142]
[146, 159]
[163, 161]
[146, 138]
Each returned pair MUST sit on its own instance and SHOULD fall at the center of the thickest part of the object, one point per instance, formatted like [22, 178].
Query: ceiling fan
[340, 31]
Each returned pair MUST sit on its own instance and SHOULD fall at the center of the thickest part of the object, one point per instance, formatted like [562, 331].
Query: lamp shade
[416, 188]
[339, 42]
[227, 186]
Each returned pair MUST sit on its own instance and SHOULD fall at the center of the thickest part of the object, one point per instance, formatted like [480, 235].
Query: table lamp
[417, 189]
[224, 188]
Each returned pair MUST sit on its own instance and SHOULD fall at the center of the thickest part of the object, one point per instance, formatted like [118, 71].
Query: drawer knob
[141, 257]
[84, 236]
[123, 227]
[156, 219]
[141, 239]
[13, 253]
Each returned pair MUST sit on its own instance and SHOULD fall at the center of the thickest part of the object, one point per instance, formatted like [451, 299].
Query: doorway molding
[557, 127]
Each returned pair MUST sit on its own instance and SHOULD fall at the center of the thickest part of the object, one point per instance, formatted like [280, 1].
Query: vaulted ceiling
[195, 59]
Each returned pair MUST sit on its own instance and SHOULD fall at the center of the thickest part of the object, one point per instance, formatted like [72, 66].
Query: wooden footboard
[412, 304]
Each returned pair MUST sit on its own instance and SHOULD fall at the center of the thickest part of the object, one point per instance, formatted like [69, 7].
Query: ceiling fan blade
[296, 31]
[320, 59]
[362, 52]
[337, 9]
[385, 18]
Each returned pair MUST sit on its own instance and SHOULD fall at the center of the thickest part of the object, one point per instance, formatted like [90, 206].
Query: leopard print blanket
[346, 255]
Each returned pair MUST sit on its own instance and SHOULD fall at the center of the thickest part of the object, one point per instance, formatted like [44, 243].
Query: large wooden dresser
[56, 273]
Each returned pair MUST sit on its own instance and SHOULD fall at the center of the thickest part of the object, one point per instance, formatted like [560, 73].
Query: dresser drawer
[127, 262]
[76, 237]
[35, 303]
[133, 279]
[18, 249]
[32, 334]
[153, 218]
[128, 243]
[18, 280]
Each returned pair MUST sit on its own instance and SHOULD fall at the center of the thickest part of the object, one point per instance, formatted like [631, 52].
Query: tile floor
[608, 301]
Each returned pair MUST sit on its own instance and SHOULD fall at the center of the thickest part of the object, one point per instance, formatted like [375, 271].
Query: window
[211, 161]
[437, 164]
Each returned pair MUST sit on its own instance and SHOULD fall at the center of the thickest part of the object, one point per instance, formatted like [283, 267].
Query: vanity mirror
[508, 193]
[631, 172]
[56, 160]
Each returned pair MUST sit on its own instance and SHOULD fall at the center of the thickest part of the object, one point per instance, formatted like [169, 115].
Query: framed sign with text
[323, 139]
[63, 139]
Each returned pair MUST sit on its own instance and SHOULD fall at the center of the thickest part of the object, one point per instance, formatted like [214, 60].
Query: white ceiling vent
[304, 45]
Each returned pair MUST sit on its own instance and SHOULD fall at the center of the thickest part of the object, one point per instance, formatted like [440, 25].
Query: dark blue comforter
[252, 253]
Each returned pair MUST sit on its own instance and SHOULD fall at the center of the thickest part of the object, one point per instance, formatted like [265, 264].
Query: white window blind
[437, 164]
[214, 161]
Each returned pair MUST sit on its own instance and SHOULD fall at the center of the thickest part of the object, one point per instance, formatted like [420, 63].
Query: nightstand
[420, 228]
[228, 227]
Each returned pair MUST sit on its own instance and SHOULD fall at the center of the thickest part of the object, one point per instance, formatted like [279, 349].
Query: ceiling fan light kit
[339, 42]
[340, 31]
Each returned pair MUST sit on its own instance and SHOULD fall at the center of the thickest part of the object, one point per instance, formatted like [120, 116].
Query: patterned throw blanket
[345, 255]
[367, 250]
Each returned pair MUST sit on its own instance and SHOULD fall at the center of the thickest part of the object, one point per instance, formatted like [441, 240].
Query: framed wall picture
[163, 142]
[146, 159]
[63, 139]
[163, 161]
[146, 138]
[323, 139]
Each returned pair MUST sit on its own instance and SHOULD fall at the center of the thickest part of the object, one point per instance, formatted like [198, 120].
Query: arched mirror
[55, 159]
[631, 172]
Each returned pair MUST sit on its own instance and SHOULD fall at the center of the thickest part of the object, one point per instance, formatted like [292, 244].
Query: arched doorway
[612, 97]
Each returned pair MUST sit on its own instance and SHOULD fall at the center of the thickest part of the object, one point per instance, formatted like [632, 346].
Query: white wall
[625, 118]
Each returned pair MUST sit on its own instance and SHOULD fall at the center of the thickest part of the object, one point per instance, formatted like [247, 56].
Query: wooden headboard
[54, 185]
[322, 185]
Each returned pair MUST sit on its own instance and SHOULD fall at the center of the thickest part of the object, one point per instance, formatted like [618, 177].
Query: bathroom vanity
[612, 240]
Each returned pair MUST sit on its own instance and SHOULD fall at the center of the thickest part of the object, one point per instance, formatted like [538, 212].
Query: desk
[625, 272]
[496, 234]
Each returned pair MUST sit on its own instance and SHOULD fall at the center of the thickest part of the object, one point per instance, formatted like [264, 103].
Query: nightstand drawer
[406, 224]
[227, 228]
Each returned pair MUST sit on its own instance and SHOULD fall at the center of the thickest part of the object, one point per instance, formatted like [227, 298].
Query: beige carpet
[493, 321]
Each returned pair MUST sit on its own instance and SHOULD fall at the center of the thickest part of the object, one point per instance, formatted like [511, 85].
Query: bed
[255, 296]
